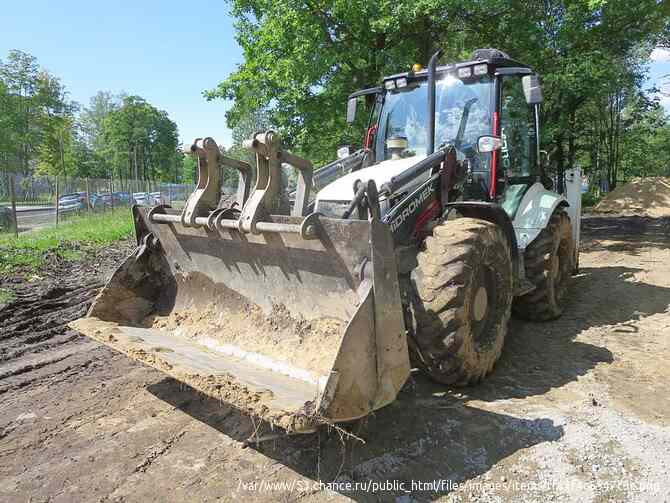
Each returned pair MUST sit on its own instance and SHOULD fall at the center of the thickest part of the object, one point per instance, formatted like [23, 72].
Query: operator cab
[487, 108]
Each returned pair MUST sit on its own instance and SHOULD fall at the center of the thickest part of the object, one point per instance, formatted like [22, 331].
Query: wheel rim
[484, 309]
[556, 267]
[481, 304]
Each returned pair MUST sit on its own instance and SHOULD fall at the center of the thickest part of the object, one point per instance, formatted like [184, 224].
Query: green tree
[56, 122]
[253, 122]
[19, 74]
[121, 136]
[142, 139]
[6, 126]
[644, 144]
[55, 152]
[302, 58]
[93, 150]
[189, 169]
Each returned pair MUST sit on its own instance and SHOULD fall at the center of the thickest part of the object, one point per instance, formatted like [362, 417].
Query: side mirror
[344, 151]
[532, 89]
[488, 143]
[351, 110]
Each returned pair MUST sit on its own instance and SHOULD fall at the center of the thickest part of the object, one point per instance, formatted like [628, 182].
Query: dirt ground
[576, 410]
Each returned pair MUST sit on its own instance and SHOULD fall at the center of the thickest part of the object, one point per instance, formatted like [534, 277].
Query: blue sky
[659, 73]
[164, 51]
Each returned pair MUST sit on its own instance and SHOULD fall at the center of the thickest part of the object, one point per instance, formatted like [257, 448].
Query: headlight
[481, 69]
[464, 72]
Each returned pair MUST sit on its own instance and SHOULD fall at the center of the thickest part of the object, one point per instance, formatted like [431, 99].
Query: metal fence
[29, 202]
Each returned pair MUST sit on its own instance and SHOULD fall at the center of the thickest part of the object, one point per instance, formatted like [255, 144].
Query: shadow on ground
[624, 234]
[420, 437]
[541, 356]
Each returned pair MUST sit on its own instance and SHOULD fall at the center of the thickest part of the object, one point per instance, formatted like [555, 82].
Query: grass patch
[68, 241]
[6, 296]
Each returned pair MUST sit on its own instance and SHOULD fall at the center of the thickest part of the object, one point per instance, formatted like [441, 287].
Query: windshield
[404, 114]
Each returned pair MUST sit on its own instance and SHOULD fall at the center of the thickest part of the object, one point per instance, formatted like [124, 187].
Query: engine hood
[342, 189]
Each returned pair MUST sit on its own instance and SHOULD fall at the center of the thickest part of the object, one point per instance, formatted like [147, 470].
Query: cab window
[404, 114]
[517, 131]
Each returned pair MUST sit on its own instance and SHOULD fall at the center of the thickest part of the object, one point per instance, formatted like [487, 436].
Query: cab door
[517, 160]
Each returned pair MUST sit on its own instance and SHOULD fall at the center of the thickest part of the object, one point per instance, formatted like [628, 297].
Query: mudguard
[490, 212]
[534, 212]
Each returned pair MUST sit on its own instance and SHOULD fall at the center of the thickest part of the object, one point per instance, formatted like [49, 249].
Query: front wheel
[463, 295]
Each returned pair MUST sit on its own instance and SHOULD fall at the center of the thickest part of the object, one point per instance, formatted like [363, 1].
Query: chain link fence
[29, 202]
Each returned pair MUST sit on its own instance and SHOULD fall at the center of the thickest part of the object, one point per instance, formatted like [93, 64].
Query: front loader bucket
[295, 331]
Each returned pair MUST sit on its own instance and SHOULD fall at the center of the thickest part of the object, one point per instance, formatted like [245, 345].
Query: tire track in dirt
[158, 452]
[34, 336]
[23, 365]
[35, 340]
[38, 316]
[53, 373]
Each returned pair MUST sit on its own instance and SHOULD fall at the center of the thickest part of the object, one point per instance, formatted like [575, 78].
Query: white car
[147, 198]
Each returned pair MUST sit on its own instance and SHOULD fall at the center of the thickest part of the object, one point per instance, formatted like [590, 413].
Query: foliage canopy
[302, 58]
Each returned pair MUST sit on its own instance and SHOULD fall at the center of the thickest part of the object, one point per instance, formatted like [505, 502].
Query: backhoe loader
[313, 306]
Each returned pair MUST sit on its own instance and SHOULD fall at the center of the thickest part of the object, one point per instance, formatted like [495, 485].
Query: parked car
[6, 219]
[147, 198]
[107, 200]
[173, 192]
[123, 197]
[68, 203]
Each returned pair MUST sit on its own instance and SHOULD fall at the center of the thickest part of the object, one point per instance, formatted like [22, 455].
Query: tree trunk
[136, 174]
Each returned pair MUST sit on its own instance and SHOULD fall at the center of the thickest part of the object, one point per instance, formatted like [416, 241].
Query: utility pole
[88, 197]
[62, 153]
[12, 196]
[57, 198]
[135, 162]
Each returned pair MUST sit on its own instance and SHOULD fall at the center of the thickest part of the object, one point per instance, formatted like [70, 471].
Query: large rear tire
[550, 263]
[463, 286]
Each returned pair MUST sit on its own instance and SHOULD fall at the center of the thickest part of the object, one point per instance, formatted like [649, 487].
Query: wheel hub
[555, 267]
[483, 307]
[480, 304]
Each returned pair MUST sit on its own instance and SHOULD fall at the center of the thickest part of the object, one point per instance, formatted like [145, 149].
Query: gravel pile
[641, 196]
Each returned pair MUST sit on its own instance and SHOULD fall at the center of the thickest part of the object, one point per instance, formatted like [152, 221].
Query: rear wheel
[463, 287]
[550, 263]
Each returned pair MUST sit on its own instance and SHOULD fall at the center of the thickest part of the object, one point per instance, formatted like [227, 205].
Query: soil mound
[641, 196]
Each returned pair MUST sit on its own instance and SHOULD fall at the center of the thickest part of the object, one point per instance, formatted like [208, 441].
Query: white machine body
[532, 215]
